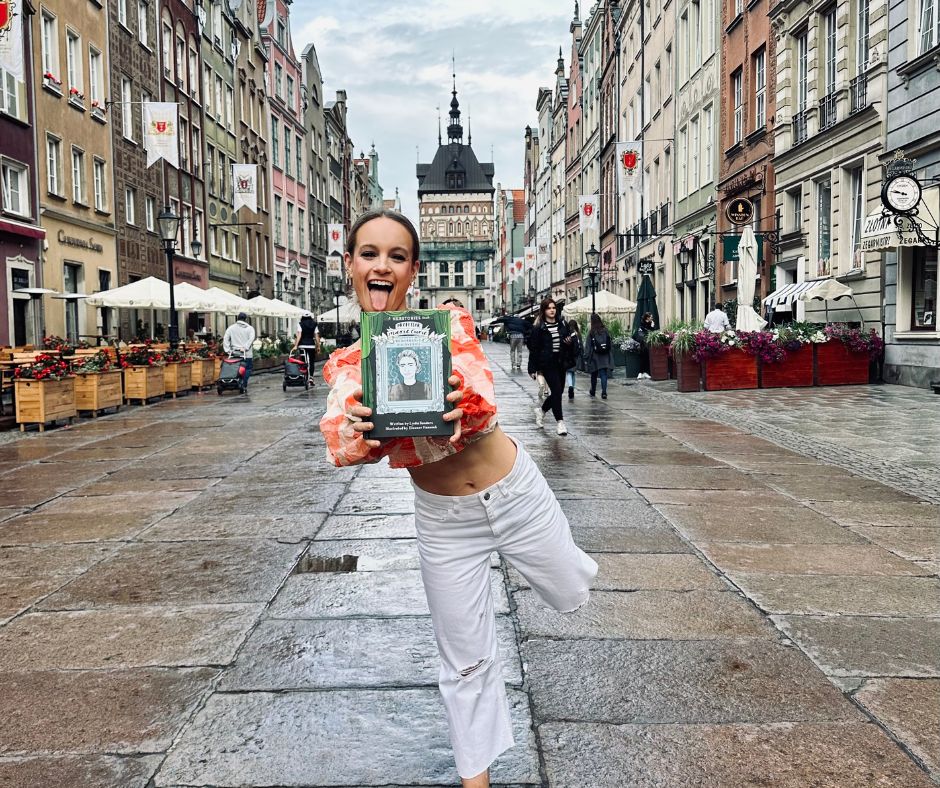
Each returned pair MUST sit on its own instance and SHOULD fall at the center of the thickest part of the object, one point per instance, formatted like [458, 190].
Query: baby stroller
[231, 374]
[295, 371]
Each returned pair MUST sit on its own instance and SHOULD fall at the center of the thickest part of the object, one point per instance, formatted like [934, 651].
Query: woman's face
[382, 265]
[408, 368]
[550, 311]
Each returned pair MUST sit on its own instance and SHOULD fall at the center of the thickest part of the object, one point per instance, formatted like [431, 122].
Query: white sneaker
[562, 429]
[647, 376]
[639, 376]
[539, 417]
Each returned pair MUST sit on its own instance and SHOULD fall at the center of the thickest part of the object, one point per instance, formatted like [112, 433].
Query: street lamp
[592, 270]
[337, 292]
[169, 226]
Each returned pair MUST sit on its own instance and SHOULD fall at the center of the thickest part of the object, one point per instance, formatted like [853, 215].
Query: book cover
[405, 367]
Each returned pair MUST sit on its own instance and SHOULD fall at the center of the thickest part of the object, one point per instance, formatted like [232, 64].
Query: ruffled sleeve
[344, 445]
[470, 365]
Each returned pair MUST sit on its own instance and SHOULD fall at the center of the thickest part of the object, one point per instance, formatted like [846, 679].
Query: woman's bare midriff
[480, 465]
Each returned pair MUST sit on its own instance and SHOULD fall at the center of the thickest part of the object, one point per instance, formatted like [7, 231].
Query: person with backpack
[575, 353]
[598, 355]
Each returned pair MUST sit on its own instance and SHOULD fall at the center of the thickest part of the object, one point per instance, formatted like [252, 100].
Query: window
[444, 275]
[760, 90]
[823, 227]
[481, 276]
[122, 12]
[219, 100]
[683, 162]
[222, 170]
[281, 32]
[183, 142]
[290, 94]
[924, 289]
[695, 27]
[210, 166]
[707, 131]
[299, 148]
[737, 98]
[229, 108]
[278, 80]
[54, 165]
[167, 46]
[207, 89]
[99, 178]
[829, 67]
[928, 27]
[693, 153]
[277, 219]
[857, 196]
[275, 144]
[300, 230]
[194, 74]
[9, 94]
[198, 228]
[143, 33]
[458, 274]
[290, 225]
[217, 23]
[802, 72]
[150, 213]
[72, 278]
[73, 60]
[145, 98]
[50, 46]
[708, 29]
[197, 149]
[130, 207]
[127, 116]
[287, 161]
[795, 201]
[861, 37]
[15, 182]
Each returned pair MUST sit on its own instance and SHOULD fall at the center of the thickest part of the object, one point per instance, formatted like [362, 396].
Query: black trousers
[555, 378]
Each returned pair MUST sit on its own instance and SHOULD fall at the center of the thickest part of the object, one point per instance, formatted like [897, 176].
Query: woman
[574, 355]
[549, 345]
[641, 335]
[599, 355]
[409, 365]
[475, 492]
[307, 339]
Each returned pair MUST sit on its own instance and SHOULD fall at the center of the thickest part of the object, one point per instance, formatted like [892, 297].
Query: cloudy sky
[394, 61]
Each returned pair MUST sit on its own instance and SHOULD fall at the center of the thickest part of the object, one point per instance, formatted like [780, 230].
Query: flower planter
[143, 383]
[688, 374]
[659, 362]
[96, 391]
[177, 378]
[216, 367]
[794, 371]
[733, 369]
[40, 401]
[836, 365]
[203, 373]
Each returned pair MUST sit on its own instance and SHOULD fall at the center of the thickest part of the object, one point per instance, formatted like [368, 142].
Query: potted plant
[44, 391]
[203, 367]
[143, 373]
[658, 344]
[632, 356]
[177, 372]
[97, 383]
[726, 360]
[845, 358]
[688, 370]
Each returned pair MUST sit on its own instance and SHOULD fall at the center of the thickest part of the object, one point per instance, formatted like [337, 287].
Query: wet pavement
[191, 596]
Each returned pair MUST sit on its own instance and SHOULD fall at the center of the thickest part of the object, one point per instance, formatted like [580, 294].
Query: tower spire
[439, 124]
[454, 130]
[469, 135]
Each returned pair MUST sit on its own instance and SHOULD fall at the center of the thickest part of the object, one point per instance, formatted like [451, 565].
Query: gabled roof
[455, 158]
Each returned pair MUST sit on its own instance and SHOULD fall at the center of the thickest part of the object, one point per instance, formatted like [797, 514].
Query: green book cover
[405, 367]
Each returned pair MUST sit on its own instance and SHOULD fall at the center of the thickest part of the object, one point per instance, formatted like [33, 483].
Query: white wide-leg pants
[520, 517]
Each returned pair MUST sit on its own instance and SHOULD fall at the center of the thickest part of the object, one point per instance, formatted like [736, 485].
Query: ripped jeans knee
[481, 666]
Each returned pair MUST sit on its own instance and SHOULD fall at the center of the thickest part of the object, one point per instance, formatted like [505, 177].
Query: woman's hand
[356, 414]
[457, 413]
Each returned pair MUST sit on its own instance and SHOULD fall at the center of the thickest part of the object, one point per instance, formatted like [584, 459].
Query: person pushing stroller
[238, 340]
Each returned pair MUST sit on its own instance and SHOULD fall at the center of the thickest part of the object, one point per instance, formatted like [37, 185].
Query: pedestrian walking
[598, 348]
[307, 340]
[239, 340]
[641, 335]
[475, 492]
[548, 350]
[518, 330]
[576, 353]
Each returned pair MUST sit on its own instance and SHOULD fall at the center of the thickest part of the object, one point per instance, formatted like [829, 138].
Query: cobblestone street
[190, 595]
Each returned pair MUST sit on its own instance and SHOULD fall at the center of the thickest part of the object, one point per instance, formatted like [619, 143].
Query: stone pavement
[191, 596]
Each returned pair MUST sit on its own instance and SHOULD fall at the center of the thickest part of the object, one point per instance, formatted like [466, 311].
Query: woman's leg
[593, 382]
[555, 380]
[604, 373]
[454, 545]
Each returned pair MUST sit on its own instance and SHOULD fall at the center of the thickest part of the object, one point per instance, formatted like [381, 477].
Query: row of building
[79, 204]
[797, 106]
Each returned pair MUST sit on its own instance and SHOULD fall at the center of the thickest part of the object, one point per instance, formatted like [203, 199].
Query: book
[405, 367]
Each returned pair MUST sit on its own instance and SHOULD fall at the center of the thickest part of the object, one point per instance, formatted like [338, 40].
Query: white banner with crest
[161, 132]
[11, 41]
[587, 213]
[629, 166]
[245, 186]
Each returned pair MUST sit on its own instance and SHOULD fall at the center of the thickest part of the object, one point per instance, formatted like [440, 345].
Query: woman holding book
[475, 491]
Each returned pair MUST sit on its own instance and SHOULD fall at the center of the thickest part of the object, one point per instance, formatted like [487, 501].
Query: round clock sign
[901, 193]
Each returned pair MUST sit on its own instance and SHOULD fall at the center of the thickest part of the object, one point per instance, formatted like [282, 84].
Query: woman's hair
[596, 323]
[409, 354]
[573, 327]
[647, 316]
[546, 302]
[380, 213]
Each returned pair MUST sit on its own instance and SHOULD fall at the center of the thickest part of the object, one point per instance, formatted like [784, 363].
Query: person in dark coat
[598, 354]
[641, 335]
[549, 347]
[518, 330]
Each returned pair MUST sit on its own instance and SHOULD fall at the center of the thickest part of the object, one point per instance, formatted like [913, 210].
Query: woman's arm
[344, 423]
[535, 349]
[296, 342]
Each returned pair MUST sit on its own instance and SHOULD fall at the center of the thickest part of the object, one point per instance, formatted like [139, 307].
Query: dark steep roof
[453, 160]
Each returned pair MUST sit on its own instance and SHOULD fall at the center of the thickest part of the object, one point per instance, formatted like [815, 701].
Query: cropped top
[343, 373]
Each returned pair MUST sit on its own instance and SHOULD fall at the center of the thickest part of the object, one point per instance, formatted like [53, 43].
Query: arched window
[466, 227]
[450, 229]
[466, 209]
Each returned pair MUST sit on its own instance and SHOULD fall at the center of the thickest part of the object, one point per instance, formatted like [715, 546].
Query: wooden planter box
[659, 362]
[40, 401]
[688, 374]
[794, 371]
[177, 378]
[203, 373]
[143, 383]
[836, 365]
[216, 367]
[96, 391]
[733, 369]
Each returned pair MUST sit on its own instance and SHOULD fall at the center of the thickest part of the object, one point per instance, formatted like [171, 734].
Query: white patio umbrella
[193, 299]
[607, 303]
[267, 308]
[349, 311]
[747, 319]
[231, 304]
[148, 293]
[830, 290]
[289, 309]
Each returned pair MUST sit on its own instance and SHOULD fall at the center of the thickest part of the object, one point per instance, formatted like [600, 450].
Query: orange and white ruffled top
[343, 373]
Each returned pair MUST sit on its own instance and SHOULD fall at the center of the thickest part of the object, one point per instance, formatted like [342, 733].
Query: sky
[394, 61]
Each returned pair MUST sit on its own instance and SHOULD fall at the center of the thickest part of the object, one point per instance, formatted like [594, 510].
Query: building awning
[18, 228]
[783, 298]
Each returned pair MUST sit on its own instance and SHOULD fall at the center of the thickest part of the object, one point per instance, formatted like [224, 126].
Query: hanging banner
[11, 40]
[335, 239]
[528, 255]
[587, 213]
[161, 132]
[334, 266]
[542, 251]
[518, 265]
[629, 166]
[245, 186]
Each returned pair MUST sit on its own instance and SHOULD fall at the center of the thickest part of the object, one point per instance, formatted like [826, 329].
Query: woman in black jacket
[549, 349]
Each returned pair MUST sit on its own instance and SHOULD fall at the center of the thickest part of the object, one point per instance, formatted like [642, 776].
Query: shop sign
[645, 267]
[90, 244]
[740, 211]
[182, 273]
[729, 248]
[879, 231]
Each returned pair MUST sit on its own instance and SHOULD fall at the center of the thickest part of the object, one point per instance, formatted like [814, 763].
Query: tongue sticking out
[378, 297]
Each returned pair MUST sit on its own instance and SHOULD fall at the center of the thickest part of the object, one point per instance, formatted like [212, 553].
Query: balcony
[827, 111]
[858, 94]
[799, 127]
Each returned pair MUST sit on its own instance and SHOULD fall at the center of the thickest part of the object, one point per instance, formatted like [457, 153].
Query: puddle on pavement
[333, 563]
